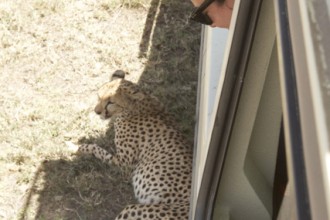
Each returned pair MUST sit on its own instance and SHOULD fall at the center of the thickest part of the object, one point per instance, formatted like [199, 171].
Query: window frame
[247, 15]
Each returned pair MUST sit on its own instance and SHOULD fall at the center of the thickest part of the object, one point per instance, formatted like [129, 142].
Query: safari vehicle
[262, 149]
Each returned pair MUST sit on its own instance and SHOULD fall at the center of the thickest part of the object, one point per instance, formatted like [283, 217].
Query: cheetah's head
[117, 96]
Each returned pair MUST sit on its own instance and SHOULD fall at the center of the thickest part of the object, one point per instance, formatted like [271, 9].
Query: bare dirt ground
[54, 54]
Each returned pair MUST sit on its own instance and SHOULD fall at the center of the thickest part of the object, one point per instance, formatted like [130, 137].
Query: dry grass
[54, 54]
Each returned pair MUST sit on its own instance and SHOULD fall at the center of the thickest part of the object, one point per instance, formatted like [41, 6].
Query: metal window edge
[234, 77]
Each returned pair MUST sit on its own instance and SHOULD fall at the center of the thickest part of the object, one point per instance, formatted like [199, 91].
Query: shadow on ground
[172, 48]
[97, 191]
[83, 191]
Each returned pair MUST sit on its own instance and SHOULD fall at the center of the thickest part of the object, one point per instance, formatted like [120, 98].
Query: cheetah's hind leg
[94, 149]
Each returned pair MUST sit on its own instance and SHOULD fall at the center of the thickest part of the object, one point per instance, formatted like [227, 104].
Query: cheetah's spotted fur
[147, 139]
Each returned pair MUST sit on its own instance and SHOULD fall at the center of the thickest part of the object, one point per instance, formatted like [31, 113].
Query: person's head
[216, 13]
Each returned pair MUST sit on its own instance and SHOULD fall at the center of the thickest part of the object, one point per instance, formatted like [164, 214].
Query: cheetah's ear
[118, 74]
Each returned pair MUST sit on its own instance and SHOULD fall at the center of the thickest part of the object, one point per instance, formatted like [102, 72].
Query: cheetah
[147, 139]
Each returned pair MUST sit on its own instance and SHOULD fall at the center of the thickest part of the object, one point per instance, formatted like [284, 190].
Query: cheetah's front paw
[72, 147]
